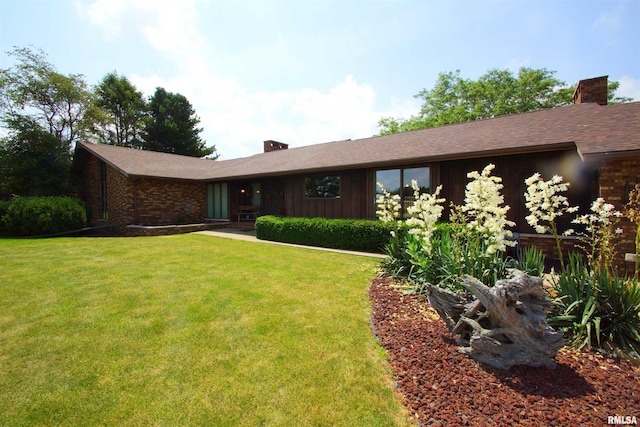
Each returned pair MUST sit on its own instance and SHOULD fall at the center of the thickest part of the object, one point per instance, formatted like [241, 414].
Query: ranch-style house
[594, 146]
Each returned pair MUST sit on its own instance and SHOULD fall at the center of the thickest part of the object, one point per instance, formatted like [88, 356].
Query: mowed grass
[187, 330]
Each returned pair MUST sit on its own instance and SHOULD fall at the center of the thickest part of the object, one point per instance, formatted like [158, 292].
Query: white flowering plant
[388, 205]
[546, 204]
[388, 208]
[600, 235]
[483, 205]
[479, 236]
[633, 213]
[425, 212]
[473, 243]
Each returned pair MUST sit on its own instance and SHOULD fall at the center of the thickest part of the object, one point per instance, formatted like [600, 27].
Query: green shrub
[34, 216]
[4, 208]
[598, 309]
[351, 234]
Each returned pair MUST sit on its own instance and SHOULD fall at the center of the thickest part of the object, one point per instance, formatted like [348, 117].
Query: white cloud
[105, 14]
[235, 117]
[629, 87]
[237, 120]
[170, 27]
[611, 19]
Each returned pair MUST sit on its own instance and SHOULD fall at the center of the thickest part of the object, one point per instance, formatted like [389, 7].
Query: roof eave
[113, 165]
[560, 146]
[609, 155]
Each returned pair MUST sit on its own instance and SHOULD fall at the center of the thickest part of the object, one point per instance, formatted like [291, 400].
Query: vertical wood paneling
[514, 170]
[351, 204]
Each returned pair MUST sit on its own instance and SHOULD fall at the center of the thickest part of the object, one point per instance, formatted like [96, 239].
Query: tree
[172, 126]
[43, 114]
[33, 162]
[33, 90]
[454, 99]
[120, 112]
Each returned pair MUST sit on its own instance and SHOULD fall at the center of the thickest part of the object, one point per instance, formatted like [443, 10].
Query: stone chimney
[591, 90]
[271, 145]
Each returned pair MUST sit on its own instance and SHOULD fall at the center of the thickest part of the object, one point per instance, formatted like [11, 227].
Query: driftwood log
[502, 326]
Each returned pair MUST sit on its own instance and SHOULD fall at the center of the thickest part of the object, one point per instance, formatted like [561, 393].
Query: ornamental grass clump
[596, 308]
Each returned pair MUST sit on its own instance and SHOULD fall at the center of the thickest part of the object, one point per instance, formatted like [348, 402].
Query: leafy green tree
[33, 162]
[120, 112]
[42, 113]
[172, 126]
[33, 89]
[454, 99]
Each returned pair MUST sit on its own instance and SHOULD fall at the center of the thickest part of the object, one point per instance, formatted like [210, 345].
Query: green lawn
[187, 330]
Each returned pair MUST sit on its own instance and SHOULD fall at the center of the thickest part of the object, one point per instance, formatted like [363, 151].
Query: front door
[218, 201]
[274, 203]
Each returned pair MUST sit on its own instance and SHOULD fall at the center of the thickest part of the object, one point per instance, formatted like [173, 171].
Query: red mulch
[440, 386]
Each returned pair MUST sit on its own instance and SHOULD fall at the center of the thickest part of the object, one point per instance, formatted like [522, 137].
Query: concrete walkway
[250, 236]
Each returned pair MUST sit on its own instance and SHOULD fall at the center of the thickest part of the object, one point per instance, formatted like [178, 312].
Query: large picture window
[398, 181]
[322, 187]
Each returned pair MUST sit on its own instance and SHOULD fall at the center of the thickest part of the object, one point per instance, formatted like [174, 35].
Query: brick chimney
[271, 145]
[591, 90]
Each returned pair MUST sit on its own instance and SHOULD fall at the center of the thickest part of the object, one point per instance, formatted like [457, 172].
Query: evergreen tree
[172, 126]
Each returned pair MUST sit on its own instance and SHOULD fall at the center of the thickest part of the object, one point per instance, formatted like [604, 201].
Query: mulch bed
[440, 386]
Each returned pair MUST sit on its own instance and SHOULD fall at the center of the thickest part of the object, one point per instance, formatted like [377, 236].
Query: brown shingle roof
[132, 162]
[596, 131]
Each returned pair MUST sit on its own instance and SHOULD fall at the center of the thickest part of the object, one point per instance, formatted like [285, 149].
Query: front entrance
[274, 203]
[218, 201]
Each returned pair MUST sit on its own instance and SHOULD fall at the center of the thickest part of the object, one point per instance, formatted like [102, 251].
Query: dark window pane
[322, 187]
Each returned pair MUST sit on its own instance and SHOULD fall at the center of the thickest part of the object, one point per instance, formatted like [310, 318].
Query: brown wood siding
[514, 170]
[354, 201]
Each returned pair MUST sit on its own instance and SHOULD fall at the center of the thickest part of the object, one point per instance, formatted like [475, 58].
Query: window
[103, 191]
[217, 201]
[322, 187]
[398, 181]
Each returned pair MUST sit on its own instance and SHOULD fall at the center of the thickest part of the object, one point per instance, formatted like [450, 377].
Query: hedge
[369, 235]
[35, 216]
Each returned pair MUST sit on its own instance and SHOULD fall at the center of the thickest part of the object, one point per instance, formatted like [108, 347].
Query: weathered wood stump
[502, 326]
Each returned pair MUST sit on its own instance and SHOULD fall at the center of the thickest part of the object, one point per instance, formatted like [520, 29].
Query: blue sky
[305, 72]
